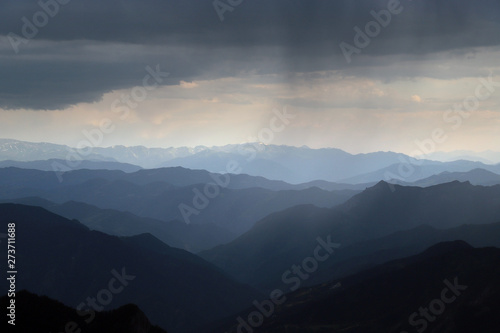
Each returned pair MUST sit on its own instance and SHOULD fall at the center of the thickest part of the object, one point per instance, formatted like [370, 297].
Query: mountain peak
[382, 186]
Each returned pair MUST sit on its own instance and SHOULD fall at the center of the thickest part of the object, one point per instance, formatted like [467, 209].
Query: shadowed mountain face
[400, 244]
[443, 206]
[262, 255]
[41, 314]
[65, 261]
[451, 287]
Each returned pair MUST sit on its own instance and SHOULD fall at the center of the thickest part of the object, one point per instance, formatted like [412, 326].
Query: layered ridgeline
[191, 237]
[291, 164]
[451, 287]
[383, 222]
[92, 271]
[231, 202]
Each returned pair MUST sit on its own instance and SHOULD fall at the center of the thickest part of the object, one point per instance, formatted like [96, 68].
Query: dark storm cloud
[294, 23]
[57, 79]
[187, 39]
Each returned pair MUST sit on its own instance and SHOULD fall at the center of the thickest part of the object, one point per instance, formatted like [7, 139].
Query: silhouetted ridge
[42, 314]
[36, 216]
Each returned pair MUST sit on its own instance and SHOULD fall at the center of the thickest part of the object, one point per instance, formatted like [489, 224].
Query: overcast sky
[70, 67]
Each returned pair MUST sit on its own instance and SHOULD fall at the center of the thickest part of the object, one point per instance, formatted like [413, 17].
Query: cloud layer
[92, 47]
[67, 65]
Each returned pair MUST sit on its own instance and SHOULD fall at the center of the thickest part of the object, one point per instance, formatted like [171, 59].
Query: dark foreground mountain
[261, 256]
[41, 314]
[366, 254]
[451, 287]
[88, 269]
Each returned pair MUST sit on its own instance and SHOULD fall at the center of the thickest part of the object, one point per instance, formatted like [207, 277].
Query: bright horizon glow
[392, 96]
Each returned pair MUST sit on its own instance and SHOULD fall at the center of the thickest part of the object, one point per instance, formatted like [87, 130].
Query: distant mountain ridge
[487, 156]
[409, 173]
[291, 164]
[475, 177]
[48, 165]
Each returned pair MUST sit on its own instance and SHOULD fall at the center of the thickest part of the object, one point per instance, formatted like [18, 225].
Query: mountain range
[261, 256]
[64, 260]
[168, 194]
[291, 164]
[190, 237]
[250, 238]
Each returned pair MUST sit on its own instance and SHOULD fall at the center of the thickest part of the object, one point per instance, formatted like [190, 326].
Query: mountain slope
[261, 256]
[65, 261]
[190, 237]
[400, 244]
[140, 193]
[457, 284]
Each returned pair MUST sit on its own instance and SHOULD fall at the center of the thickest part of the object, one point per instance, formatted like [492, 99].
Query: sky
[363, 76]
